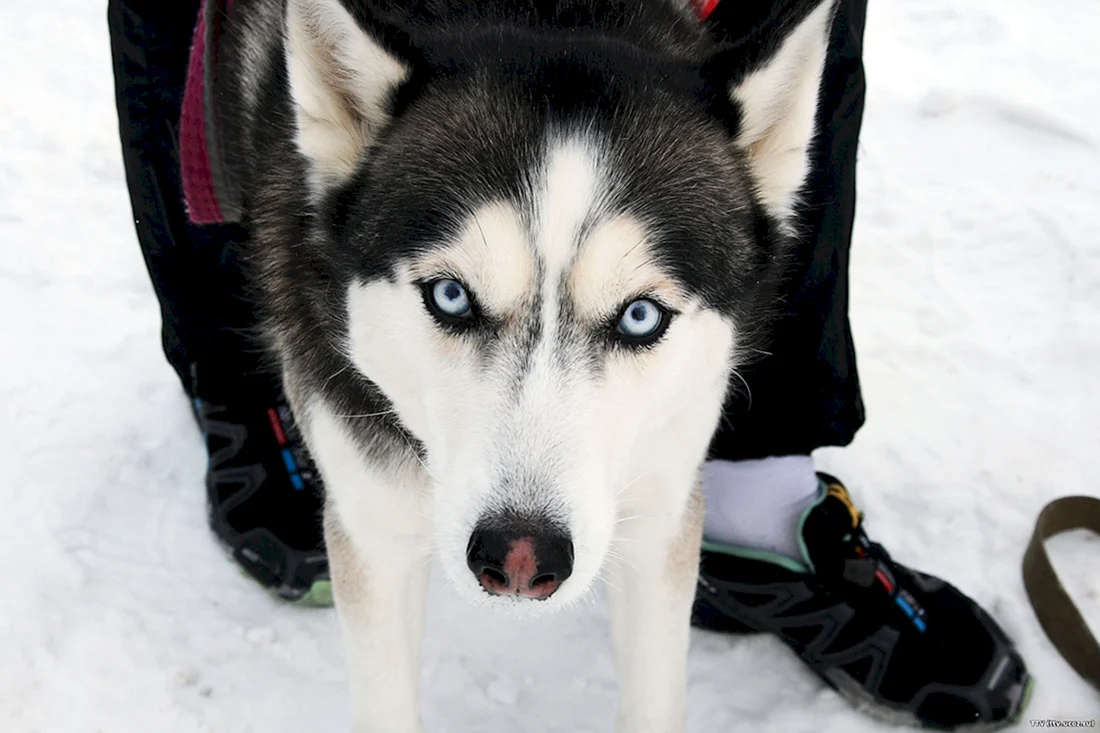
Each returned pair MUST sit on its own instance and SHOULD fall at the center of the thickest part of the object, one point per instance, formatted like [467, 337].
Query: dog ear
[777, 95]
[341, 80]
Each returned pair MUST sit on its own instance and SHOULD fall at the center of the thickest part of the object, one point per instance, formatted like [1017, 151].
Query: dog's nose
[515, 563]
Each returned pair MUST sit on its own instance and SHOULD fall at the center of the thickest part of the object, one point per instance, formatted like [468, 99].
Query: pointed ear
[341, 79]
[778, 101]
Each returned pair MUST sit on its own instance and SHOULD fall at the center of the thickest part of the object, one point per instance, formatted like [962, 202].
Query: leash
[1059, 617]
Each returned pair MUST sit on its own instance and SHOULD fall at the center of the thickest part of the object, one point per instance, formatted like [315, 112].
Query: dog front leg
[651, 588]
[380, 583]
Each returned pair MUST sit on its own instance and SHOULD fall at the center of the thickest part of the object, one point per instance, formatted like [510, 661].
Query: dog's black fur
[467, 126]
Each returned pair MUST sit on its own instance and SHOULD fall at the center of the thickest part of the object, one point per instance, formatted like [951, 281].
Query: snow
[976, 309]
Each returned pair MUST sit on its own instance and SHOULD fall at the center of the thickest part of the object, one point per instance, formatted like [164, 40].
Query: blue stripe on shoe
[292, 468]
[288, 459]
[911, 613]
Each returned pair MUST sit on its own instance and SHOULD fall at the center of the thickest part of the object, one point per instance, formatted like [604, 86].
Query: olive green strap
[1059, 617]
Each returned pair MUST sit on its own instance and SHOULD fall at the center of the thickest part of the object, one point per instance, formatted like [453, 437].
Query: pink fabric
[198, 180]
[704, 8]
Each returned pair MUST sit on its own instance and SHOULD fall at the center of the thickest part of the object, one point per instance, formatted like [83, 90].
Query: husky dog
[511, 253]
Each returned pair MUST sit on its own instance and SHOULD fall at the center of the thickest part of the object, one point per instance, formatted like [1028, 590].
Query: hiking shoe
[264, 495]
[904, 647]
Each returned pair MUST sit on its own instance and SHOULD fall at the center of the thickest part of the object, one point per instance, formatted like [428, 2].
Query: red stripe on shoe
[885, 581]
[277, 426]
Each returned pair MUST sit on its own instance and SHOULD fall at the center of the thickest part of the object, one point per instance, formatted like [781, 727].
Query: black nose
[514, 561]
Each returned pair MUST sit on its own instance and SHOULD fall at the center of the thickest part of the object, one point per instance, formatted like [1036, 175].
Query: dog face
[543, 354]
[550, 268]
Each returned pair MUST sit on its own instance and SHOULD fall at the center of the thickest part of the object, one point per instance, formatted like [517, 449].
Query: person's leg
[264, 497]
[208, 319]
[784, 550]
[804, 393]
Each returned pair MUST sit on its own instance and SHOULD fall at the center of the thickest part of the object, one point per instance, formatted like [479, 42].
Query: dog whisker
[602, 578]
[631, 482]
[416, 455]
[353, 416]
[337, 373]
[616, 556]
[748, 389]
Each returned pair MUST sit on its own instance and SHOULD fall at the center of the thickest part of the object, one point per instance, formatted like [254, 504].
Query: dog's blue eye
[641, 320]
[450, 298]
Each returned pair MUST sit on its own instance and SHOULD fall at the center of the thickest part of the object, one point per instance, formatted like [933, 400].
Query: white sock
[758, 504]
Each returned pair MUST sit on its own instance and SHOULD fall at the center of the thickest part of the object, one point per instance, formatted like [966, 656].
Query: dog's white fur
[779, 102]
[616, 459]
[331, 63]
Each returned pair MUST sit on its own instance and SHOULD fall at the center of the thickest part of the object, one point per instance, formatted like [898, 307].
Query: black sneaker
[264, 495]
[902, 646]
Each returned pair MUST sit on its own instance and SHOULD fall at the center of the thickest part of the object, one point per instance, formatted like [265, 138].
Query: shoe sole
[854, 694]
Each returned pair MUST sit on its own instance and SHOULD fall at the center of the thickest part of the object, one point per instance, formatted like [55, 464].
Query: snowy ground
[976, 307]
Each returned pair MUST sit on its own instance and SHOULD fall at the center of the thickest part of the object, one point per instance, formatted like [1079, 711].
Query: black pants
[207, 315]
[804, 394]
